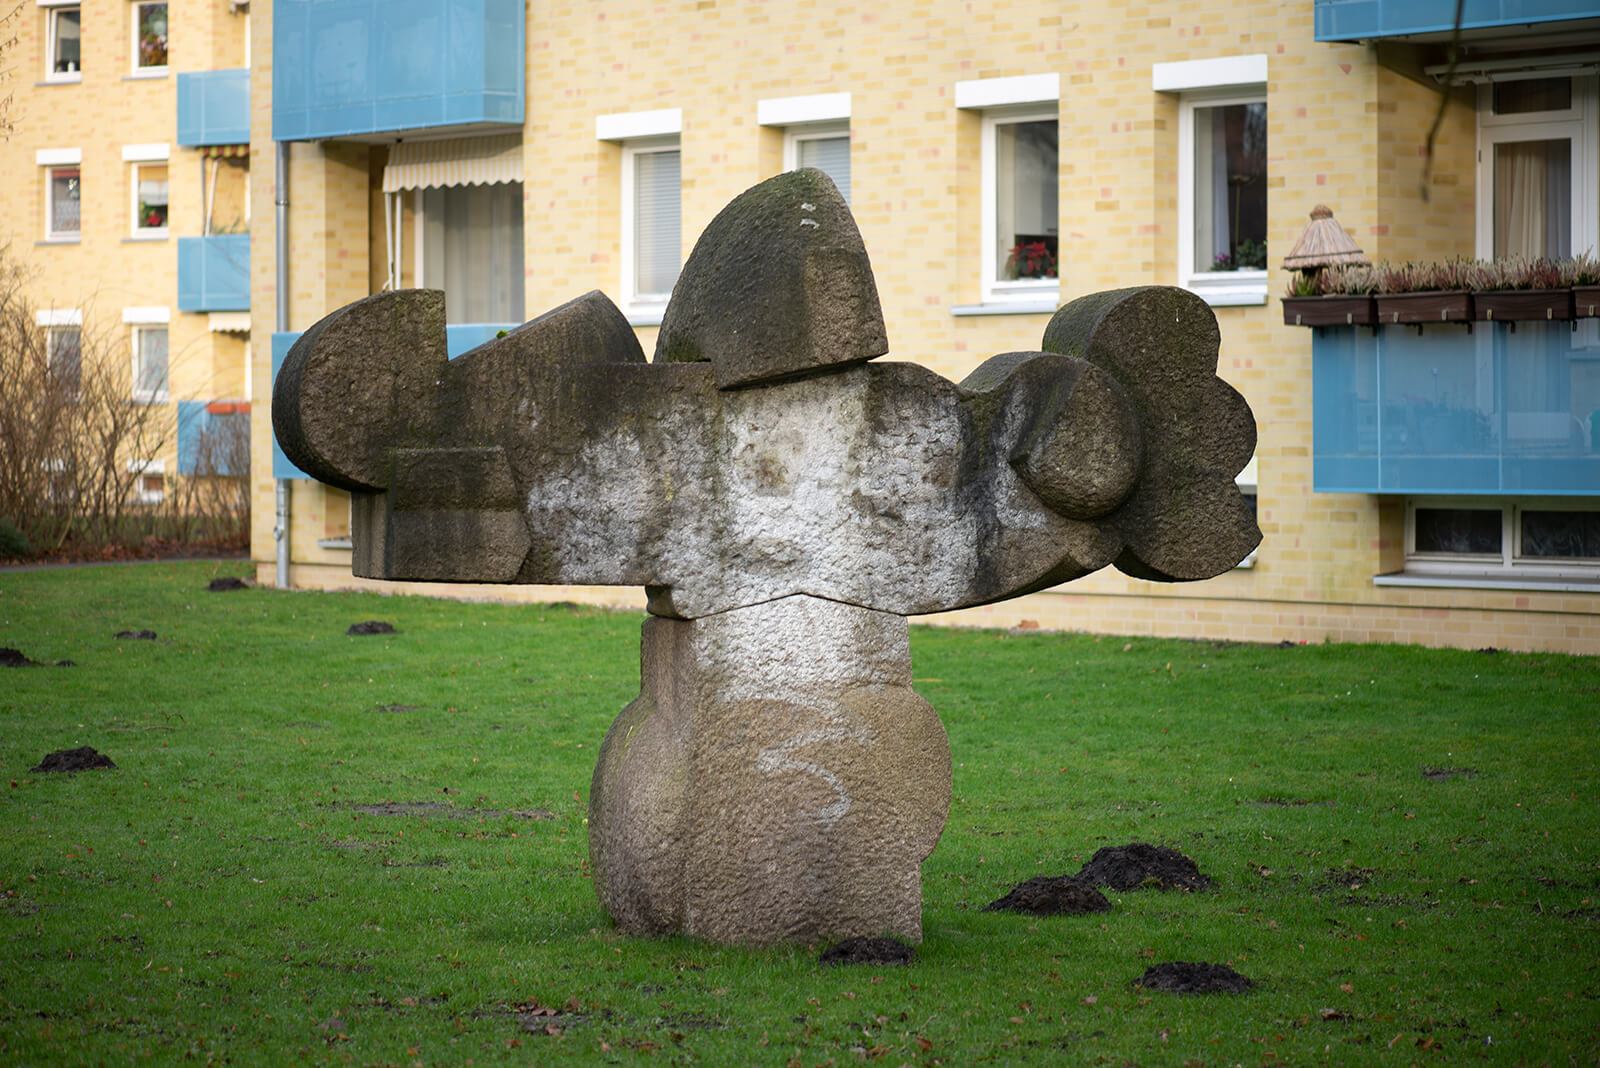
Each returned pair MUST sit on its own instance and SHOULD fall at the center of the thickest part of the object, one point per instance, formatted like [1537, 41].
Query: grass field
[371, 850]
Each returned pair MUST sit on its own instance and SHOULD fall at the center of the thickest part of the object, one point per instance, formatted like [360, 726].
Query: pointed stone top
[1323, 244]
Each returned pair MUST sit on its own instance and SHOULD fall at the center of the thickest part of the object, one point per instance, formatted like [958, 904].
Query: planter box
[1444, 306]
[1328, 311]
[1586, 304]
[1502, 304]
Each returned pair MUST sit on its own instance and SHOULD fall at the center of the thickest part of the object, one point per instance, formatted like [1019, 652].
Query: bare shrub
[209, 501]
[69, 430]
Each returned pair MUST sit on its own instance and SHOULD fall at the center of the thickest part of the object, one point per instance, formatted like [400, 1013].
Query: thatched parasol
[1323, 244]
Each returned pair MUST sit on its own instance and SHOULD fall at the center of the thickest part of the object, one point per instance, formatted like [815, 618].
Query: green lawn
[371, 850]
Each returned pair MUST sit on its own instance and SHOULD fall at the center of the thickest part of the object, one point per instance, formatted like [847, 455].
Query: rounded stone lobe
[1085, 461]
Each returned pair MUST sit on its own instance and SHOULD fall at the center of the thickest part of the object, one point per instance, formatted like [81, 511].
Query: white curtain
[472, 249]
[1533, 198]
[657, 222]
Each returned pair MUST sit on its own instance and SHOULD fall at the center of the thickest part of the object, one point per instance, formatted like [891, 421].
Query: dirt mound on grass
[1182, 977]
[371, 626]
[890, 951]
[221, 585]
[1138, 865]
[1051, 895]
[83, 758]
[137, 635]
[15, 658]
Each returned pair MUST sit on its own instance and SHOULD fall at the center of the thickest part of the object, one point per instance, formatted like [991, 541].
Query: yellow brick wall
[1342, 130]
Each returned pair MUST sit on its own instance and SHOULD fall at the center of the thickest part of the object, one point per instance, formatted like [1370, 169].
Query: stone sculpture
[787, 504]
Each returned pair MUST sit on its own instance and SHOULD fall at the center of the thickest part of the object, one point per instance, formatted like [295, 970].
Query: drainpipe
[280, 529]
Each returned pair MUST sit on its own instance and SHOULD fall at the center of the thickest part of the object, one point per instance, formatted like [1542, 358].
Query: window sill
[645, 314]
[336, 543]
[145, 75]
[1230, 290]
[150, 398]
[1034, 306]
[137, 239]
[62, 79]
[1481, 580]
[60, 241]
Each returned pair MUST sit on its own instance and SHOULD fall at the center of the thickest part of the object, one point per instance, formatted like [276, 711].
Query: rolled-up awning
[457, 161]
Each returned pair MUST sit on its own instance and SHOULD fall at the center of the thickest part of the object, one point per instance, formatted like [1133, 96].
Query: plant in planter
[1518, 288]
[1334, 296]
[1582, 274]
[1425, 292]
[1031, 259]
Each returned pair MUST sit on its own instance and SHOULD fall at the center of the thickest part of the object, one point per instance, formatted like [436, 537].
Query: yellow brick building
[517, 155]
[127, 201]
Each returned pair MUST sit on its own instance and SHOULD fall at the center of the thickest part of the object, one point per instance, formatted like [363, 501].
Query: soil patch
[885, 951]
[1052, 895]
[225, 583]
[16, 658]
[137, 635]
[441, 809]
[1183, 977]
[399, 708]
[372, 626]
[1441, 774]
[83, 758]
[1139, 865]
[1288, 802]
[1349, 879]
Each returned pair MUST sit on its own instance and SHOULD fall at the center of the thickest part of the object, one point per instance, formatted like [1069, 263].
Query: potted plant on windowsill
[1519, 289]
[1582, 273]
[1425, 292]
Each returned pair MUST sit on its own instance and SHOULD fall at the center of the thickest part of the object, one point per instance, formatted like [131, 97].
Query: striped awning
[458, 161]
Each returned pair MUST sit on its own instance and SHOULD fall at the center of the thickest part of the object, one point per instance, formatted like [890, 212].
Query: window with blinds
[828, 151]
[656, 225]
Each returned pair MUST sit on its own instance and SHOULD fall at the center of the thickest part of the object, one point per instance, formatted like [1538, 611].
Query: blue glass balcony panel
[459, 338]
[214, 107]
[347, 68]
[214, 273]
[1360, 20]
[1505, 408]
[213, 438]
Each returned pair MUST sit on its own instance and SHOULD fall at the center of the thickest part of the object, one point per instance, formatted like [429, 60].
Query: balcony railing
[214, 273]
[1452, 409]
[214, 107]
[349, 68]
[1362, 20]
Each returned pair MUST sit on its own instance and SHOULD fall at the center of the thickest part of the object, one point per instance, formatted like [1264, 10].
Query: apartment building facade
[1436, 484]
[127, 172]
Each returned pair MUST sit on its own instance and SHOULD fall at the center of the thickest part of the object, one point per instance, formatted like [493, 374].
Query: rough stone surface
[777, 779]
[786, 500]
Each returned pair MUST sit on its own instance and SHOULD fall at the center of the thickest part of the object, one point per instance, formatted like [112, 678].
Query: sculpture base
[777, 779]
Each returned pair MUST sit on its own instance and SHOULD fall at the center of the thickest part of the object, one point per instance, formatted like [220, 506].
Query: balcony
[1363, 20]
[214, 108]
[459, 338]
[214, 273]
[1499, 408]
[355, 68]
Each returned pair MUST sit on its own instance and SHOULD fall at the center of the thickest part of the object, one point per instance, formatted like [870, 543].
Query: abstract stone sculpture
[786, 503]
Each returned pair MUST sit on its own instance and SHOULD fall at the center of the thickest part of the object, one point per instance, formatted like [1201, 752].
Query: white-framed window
[64, 43]
[148, 185]
[1019, 241]
[816, 133]
[1021, 221]
[1492, 539]
[469, 244]
[149, 38]
[149, 481]
[64, 357]
[1537, 166]
[1222, 175]
[150, 361]
[825, 146]
[1246, 481]
[63, 192]
[652, 221]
